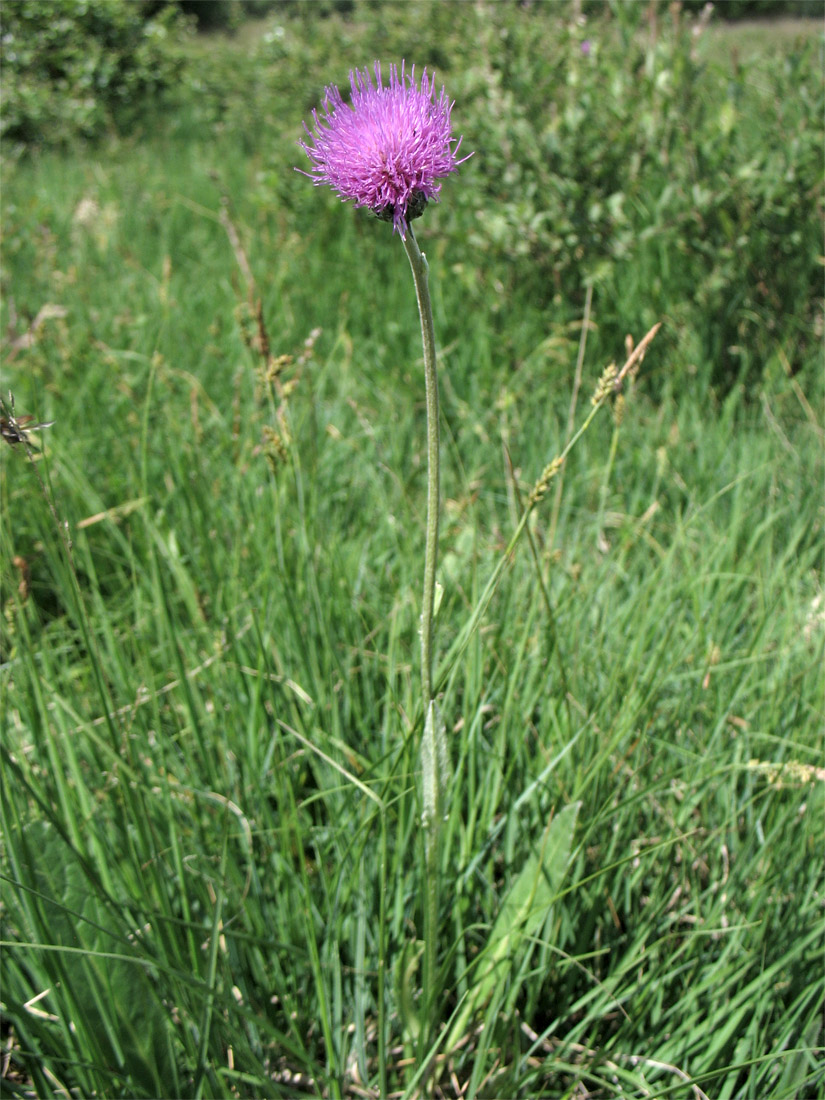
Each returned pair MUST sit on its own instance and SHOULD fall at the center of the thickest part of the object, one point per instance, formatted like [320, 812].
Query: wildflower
[389, 148]
[586, 48]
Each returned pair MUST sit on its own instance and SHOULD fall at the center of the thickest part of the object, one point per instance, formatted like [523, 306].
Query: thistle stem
[418, 263]
[431, 780]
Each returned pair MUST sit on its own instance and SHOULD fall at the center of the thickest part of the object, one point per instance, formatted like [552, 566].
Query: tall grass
[211, 879]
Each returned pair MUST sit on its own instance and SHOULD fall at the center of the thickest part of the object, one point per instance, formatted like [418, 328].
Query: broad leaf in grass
[522, 914]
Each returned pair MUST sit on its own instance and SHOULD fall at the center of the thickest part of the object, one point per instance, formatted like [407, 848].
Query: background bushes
[627, 160]
[74, 68]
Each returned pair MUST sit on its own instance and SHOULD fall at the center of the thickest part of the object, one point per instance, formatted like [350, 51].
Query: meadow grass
[212, 866]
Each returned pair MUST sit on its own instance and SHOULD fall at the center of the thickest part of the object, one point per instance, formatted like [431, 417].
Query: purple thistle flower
[387, 150]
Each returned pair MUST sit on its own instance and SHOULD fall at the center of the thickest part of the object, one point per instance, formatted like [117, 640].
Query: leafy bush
[76, 67]
[618, 156]
[758, 9]
[214, 14]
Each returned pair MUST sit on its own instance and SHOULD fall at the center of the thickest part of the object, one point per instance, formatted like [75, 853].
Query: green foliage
[200, 898]
[214, 14]
[524, 909]
[675, 187]
[73, 68]
[757, 9]
[111, 992]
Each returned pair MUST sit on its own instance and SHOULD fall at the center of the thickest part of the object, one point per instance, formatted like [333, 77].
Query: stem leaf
[435, 767]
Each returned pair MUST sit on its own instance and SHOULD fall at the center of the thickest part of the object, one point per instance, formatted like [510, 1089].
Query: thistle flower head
[388, 148]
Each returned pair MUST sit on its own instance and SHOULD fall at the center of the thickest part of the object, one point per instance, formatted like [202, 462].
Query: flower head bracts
[388, 149]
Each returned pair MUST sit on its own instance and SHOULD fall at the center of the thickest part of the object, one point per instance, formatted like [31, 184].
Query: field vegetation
[212, 876]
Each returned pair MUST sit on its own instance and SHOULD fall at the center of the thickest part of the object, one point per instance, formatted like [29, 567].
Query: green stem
[418, 263]
[432, 780]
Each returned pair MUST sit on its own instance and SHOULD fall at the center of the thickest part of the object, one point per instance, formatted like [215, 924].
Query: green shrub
[758, 9]
[212, 15]
[78, 67]
[617, 156]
